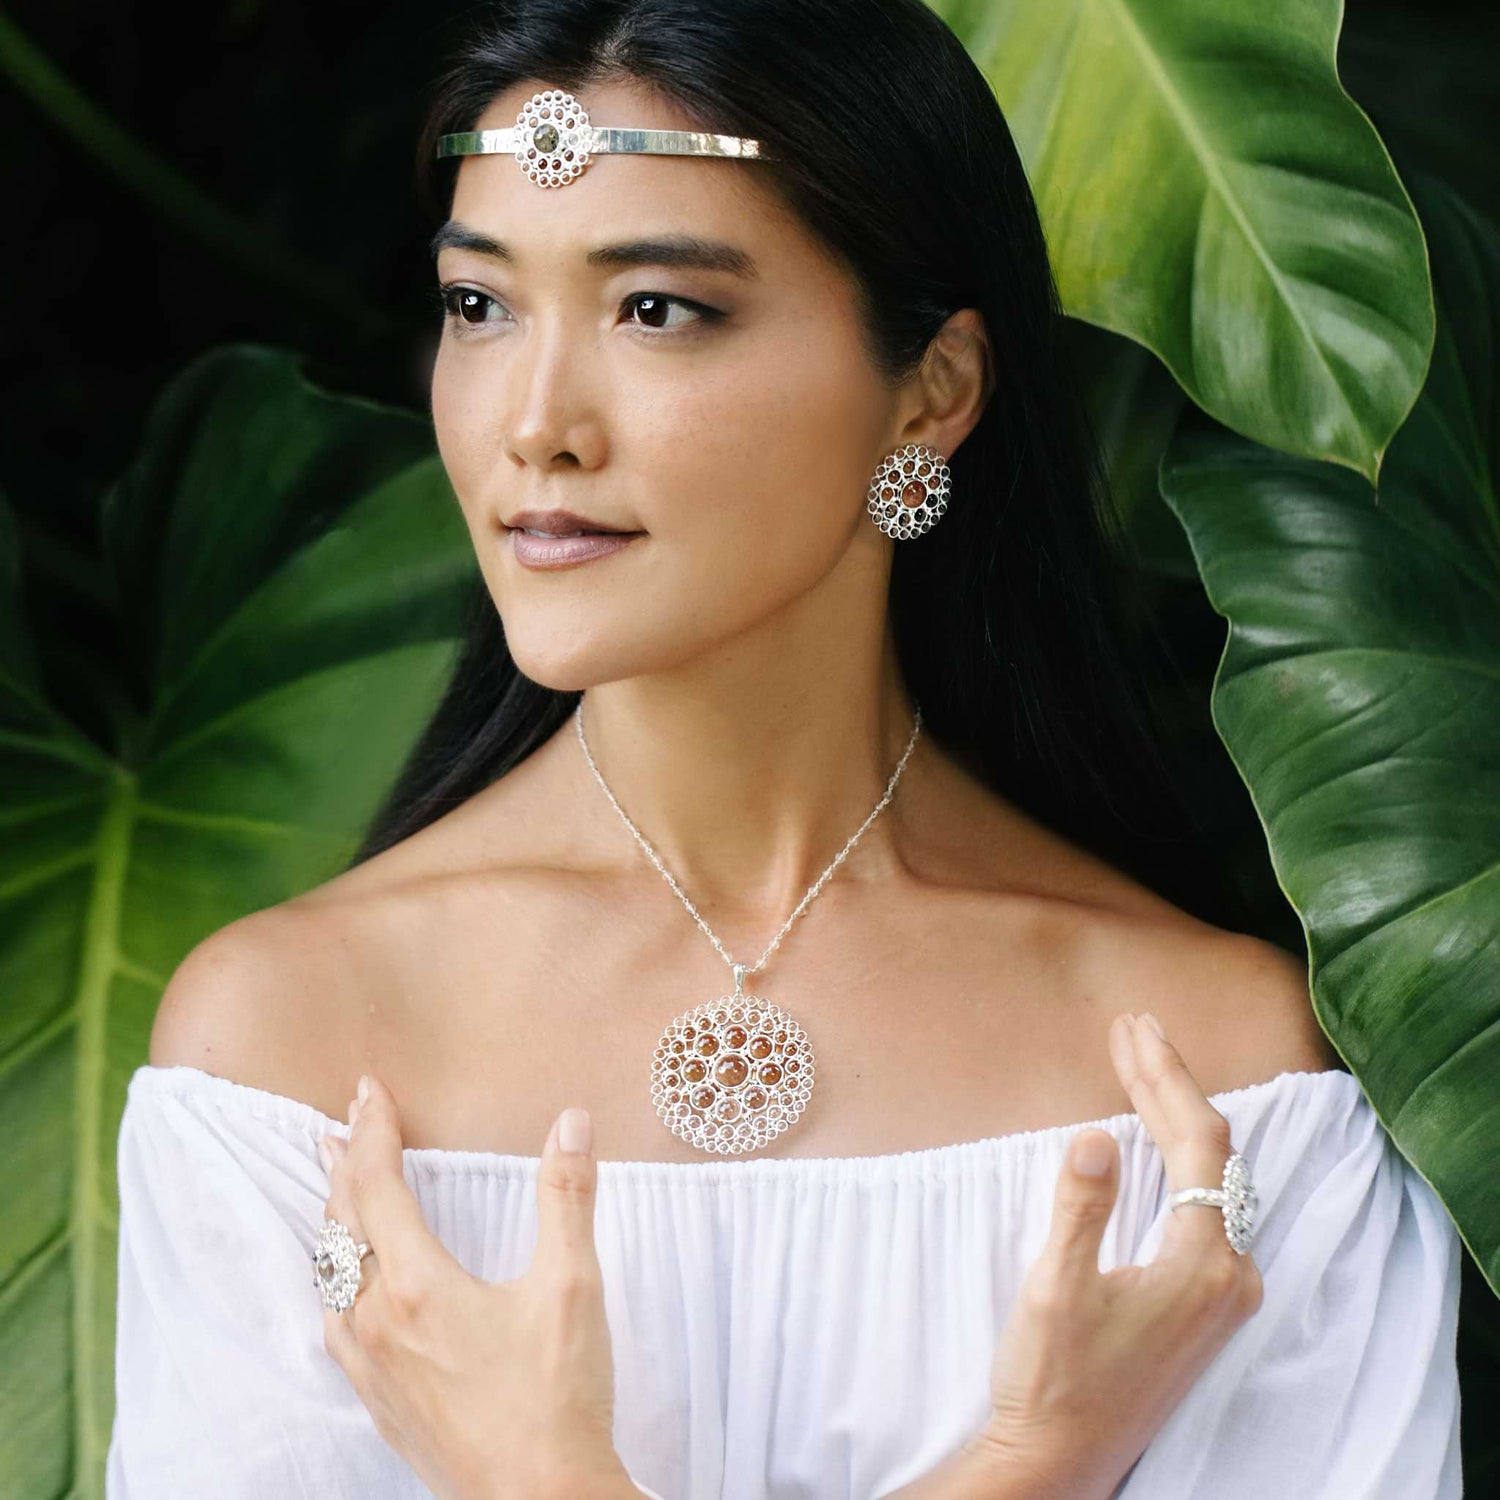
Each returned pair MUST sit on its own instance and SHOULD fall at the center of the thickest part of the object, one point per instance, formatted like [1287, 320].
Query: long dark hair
[890, 146]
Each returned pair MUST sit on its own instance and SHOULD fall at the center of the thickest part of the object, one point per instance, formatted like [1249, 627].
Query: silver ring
[336, 1265]
[1236, 1200]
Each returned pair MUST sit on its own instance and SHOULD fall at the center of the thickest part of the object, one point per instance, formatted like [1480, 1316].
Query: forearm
[593, 1486]
[610, 1486]
[984, 1471]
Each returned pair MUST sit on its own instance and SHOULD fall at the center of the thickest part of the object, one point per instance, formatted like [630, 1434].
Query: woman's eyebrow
[679, 250]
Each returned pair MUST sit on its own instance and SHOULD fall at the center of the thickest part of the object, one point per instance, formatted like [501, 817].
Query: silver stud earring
[910, 491]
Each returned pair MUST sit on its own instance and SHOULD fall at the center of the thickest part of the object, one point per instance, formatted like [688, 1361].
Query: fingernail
[1154, 1024]
[1091, 1155]
[325, 1154]
[575, 1130]
[363, 1091]
[353, 1111]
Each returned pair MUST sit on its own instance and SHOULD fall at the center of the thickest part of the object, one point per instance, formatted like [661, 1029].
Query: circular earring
[910, 491]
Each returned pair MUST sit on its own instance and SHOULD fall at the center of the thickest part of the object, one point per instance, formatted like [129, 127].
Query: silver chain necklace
[733, 1073]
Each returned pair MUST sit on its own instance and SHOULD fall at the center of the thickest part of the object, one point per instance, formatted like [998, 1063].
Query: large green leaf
[1359, 695]
[1208, 189]
[291, 568]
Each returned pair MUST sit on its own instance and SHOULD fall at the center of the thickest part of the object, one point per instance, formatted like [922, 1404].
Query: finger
[567, 1180]
[1082, 1203]
[340, 1202]
[1162, 1088]
[1192, 1135]
[378, 1192]
[341, 1205]
[339, 1336]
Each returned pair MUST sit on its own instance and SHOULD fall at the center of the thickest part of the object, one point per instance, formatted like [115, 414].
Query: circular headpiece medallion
[554, 137]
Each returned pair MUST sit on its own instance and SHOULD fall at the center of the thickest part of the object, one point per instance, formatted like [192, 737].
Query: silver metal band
[604, 139]
[1208, 1197]
[553, 140]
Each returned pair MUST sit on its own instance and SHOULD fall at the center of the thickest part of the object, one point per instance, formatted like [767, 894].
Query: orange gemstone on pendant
[731, 1071]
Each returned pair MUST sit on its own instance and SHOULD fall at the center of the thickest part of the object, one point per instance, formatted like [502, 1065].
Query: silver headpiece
[553, 140]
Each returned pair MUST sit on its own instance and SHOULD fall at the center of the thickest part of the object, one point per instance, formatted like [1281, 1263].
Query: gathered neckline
[296, 1117]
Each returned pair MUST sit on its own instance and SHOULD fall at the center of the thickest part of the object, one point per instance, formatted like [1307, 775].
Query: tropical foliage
[1295, 376]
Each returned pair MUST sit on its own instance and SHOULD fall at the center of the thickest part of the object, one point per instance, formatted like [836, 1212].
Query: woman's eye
[654, 305]
[466, 308]
[463, 304]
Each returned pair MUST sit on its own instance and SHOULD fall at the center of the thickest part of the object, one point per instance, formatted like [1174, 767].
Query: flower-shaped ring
[336, 1265]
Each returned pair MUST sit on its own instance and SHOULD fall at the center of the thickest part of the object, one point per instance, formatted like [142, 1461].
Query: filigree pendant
[733, 1073]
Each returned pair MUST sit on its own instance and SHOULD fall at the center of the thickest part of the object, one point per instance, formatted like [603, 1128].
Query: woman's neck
[748, 791]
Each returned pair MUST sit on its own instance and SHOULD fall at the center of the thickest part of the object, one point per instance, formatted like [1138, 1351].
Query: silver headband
[553, 140]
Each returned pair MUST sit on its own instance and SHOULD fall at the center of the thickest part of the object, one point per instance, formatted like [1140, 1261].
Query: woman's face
[732, 418]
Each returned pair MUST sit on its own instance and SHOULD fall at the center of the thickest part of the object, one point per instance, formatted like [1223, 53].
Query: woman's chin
[571, 669]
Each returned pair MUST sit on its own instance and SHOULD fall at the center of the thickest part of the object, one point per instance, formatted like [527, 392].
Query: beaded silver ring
[910, 490]
[1237, 1201]
[336, 1265]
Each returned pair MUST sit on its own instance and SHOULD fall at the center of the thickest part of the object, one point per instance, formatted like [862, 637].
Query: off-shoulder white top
[816, 1328]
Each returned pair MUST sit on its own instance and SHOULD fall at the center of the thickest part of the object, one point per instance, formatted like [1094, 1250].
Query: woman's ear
[953, 383]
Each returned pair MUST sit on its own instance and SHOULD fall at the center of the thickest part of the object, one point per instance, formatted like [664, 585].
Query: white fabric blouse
[789, 1328]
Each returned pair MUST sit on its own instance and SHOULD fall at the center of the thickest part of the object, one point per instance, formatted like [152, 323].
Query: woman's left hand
[487, 1389]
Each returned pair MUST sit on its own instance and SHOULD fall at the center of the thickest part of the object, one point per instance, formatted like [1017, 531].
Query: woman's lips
[564, 551]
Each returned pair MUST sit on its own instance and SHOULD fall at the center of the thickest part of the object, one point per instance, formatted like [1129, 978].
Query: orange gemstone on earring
[914, 494]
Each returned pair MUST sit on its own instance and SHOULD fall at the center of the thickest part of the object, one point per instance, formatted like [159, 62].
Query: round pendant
[732, 1074]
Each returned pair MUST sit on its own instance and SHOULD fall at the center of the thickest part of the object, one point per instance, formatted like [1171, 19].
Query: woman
[873, 723]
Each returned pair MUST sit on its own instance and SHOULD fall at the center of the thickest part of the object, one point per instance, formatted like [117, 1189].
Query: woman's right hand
[1091, 1364]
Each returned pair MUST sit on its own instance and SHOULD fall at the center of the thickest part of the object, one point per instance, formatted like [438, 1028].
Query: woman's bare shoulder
[293, 997]
[1237, 1007]
[260, 1002]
